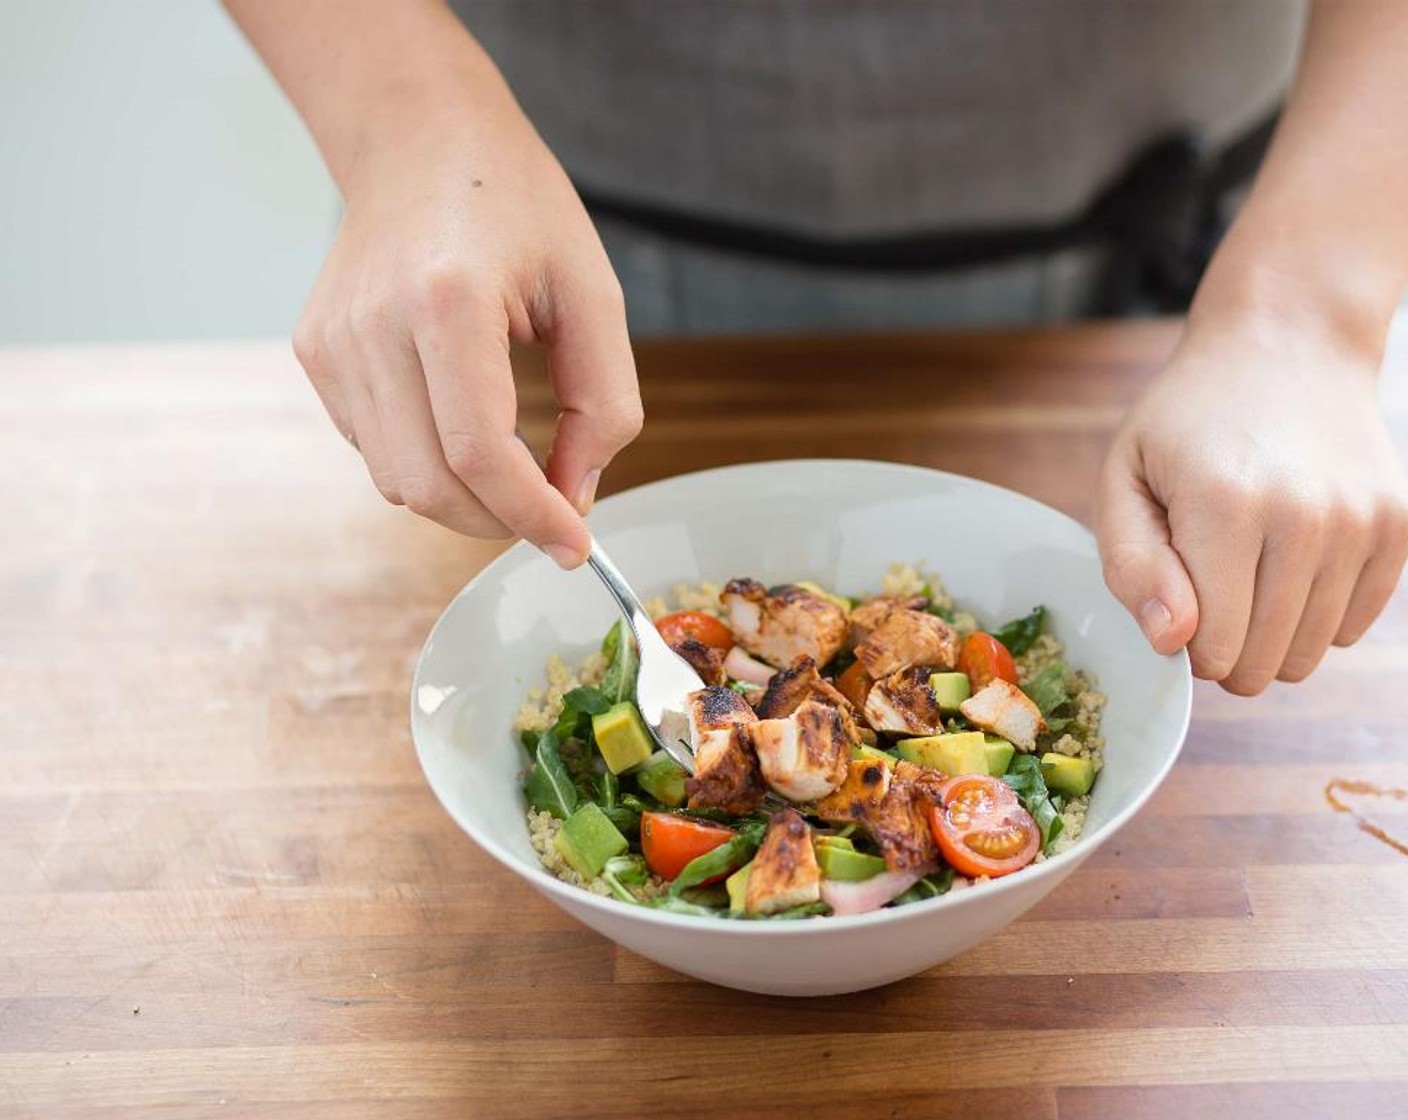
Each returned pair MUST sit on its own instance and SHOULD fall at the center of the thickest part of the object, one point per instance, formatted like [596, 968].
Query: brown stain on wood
[1335, 786]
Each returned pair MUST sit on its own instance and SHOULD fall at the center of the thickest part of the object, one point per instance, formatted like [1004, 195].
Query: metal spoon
[665, 678]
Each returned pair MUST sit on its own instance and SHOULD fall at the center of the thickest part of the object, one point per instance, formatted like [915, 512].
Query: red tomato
[669, 842]
[981, 827]
[854, 684]
[984, 658]
[703, 628]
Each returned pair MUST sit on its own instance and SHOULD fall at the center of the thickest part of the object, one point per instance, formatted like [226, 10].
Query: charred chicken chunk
[804, 756]
[866, 616]
[726, 774]
[790, 688]
[784, 623]
[707, 661]
[904, 702]
[907, 638]
[1004, 709]
[785, 872]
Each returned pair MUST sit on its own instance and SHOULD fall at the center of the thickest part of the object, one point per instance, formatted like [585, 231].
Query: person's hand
[461, 233]
[1252, 506]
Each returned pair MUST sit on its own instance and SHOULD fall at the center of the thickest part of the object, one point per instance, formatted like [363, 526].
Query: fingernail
[586, 493]
[564, 556]
[1155, 618]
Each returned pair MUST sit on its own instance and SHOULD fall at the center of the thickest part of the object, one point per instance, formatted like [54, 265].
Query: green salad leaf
[1021, 634]
[1024, 776]
[549, 786]
[1049, 693]
[623, 663]
[726, 858]
[621, 873]
[931, 886]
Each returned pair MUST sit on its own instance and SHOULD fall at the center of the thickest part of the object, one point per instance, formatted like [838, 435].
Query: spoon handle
[636, 615]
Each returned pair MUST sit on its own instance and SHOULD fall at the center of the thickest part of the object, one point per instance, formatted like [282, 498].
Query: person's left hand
[1252, 506]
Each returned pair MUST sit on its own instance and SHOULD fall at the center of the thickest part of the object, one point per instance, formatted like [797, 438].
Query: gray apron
[865, 119]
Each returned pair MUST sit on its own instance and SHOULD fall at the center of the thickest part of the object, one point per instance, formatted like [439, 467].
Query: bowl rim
[610, 907]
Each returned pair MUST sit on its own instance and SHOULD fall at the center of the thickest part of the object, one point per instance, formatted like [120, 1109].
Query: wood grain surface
[226, 891]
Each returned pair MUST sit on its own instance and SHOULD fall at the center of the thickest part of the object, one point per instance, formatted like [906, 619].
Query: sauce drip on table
[1336, 786]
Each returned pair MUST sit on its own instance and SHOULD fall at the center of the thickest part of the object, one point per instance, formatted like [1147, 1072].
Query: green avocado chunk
[1072, 776]
[958, 752]
[621, 737]
[663, 778]
[1000, 753]
[587, 839]
[832, 841]
[847, 865]
[950, 690]
[874, 754]
[737, 886]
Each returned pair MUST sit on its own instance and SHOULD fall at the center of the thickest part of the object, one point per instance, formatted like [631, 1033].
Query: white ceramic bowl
[841, 523]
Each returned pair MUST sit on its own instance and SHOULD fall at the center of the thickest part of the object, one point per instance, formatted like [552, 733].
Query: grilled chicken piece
[707, 661]
[1004, 709]
[904, 702]
[857, 800]
[901, 827]
[906, 638]
[789, 688]
[866, 616]
[891, 803]
[803, 756]
[785, 872]
[726, 774]
[782, 624]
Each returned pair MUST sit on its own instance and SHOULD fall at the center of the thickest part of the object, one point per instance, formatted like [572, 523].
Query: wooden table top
[225, 889]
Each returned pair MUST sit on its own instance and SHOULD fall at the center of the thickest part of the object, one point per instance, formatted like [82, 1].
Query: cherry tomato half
[669, 842]
[984, 659]
[854, 684]
[981, 827]
[703, 628]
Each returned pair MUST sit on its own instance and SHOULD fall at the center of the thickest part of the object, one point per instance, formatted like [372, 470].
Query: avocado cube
[587, 839]
[950, 690]
[958, 752]
[872, 754]
[737, 886]
[1071, 776]
[663, 778]
[621, 737]
[1000, 753]
[847, 865]
[832, 841]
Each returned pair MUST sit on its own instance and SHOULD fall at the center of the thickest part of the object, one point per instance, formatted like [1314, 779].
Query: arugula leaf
[931, 886]
[549, 786]
[621, 873]
[1024, 776]
[727, 857]
[623, 663]
[1048, 692]
[578, 706]
[608, 790]
[1021, 634]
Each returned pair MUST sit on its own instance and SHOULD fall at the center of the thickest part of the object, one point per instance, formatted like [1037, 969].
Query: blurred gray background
[153, 183]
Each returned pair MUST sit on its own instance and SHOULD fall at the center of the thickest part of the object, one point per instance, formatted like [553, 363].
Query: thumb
[1142, 569]
[594, 380]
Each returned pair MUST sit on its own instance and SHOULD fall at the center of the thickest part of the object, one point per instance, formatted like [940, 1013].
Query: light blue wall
[153, 181]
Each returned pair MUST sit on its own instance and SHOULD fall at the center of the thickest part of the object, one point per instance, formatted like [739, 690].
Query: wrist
[1292, 291]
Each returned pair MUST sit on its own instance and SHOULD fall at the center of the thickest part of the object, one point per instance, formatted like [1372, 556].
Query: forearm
[357, 70]
[1323, 237]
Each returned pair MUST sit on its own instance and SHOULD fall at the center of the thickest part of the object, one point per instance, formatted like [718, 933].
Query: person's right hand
[461, 233]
